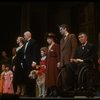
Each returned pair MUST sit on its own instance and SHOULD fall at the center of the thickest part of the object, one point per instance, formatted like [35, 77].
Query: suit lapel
[28, 46]
[63, 42]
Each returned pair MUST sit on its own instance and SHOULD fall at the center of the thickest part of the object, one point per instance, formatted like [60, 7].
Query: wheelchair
[85, 81]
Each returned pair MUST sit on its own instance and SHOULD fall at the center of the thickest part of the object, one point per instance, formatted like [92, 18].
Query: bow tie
[82, 46]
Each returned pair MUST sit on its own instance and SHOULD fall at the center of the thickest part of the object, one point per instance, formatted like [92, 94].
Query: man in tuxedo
[68, 45]
[85, 56]
[30, 55]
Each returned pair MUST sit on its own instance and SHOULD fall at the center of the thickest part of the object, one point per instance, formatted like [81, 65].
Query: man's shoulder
[33, 41]
[72, 35]
[90, 45]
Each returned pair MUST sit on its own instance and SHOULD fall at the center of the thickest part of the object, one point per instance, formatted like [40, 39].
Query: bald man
[30, 55]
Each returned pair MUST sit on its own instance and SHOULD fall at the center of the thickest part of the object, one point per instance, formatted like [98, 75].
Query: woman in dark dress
[19, 71]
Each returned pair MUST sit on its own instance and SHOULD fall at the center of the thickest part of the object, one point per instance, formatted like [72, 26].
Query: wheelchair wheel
[83, 77]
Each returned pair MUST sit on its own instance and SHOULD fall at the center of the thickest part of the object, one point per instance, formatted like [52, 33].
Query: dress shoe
[68, 89]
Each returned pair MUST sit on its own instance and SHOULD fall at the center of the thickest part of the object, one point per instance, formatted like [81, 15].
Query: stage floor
[75, 97]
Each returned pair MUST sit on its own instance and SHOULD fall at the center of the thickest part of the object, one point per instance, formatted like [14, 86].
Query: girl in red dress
[39, 71]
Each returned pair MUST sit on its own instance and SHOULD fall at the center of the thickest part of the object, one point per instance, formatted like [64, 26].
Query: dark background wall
[9, 25]
[43, 17]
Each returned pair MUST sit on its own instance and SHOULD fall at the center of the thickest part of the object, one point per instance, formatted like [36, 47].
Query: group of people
[59, 64]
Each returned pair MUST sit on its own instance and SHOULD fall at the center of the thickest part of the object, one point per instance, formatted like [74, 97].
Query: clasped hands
[76, 60]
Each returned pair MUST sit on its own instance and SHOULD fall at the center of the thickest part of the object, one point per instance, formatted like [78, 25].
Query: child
[8, 81]
[39, 71]
[2, 78]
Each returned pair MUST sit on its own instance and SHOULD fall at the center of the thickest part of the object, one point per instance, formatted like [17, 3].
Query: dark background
[43, 17]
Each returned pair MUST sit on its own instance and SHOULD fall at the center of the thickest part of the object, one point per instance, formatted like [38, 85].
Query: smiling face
[42, 53]
[82, 38]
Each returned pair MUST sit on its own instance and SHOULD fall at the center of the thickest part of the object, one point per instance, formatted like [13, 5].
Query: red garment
[53, 57]
[42, 67]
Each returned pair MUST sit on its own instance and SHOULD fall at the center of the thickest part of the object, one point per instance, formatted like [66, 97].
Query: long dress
[53, 57]
[8, 85]
[1, 82]
[19, 70]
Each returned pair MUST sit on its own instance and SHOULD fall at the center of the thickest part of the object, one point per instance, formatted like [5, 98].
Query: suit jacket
[87, 53]
[68, 48]
[31, 52]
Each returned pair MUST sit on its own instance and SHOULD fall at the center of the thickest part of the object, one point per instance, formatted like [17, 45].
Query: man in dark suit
[30, 55]
[68, 45]
[85, 56]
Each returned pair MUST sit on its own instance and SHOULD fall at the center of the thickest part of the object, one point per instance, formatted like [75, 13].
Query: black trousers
[68, 76]
[29, 83]
[31, 87]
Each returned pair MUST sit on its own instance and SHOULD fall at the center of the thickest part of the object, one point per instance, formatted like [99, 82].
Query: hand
[36, 71]
[74, 60]
[58, 65]
[13, 68]
[79, 60]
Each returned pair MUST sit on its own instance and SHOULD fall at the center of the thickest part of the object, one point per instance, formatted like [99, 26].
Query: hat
[51, 35]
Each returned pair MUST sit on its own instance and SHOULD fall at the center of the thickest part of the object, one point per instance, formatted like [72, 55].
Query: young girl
[8, 81]
[40, 72]
[2, 78]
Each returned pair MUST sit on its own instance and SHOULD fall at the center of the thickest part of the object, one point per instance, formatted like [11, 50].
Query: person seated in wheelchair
[85, 57]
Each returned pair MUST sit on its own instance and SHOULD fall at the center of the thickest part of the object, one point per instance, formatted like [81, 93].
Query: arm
[58, 55]
[11, 78]
[73, 45]
[35, 51]
[92, 55]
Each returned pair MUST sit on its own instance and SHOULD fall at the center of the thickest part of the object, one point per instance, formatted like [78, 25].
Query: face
[3, 67]
[18, 40]
[62, 31]
[49, 40]
[7, 68]
[82, 38]
[26, 37]
[42, 53]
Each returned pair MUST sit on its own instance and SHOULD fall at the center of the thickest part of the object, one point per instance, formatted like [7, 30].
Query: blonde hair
[21, 39]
